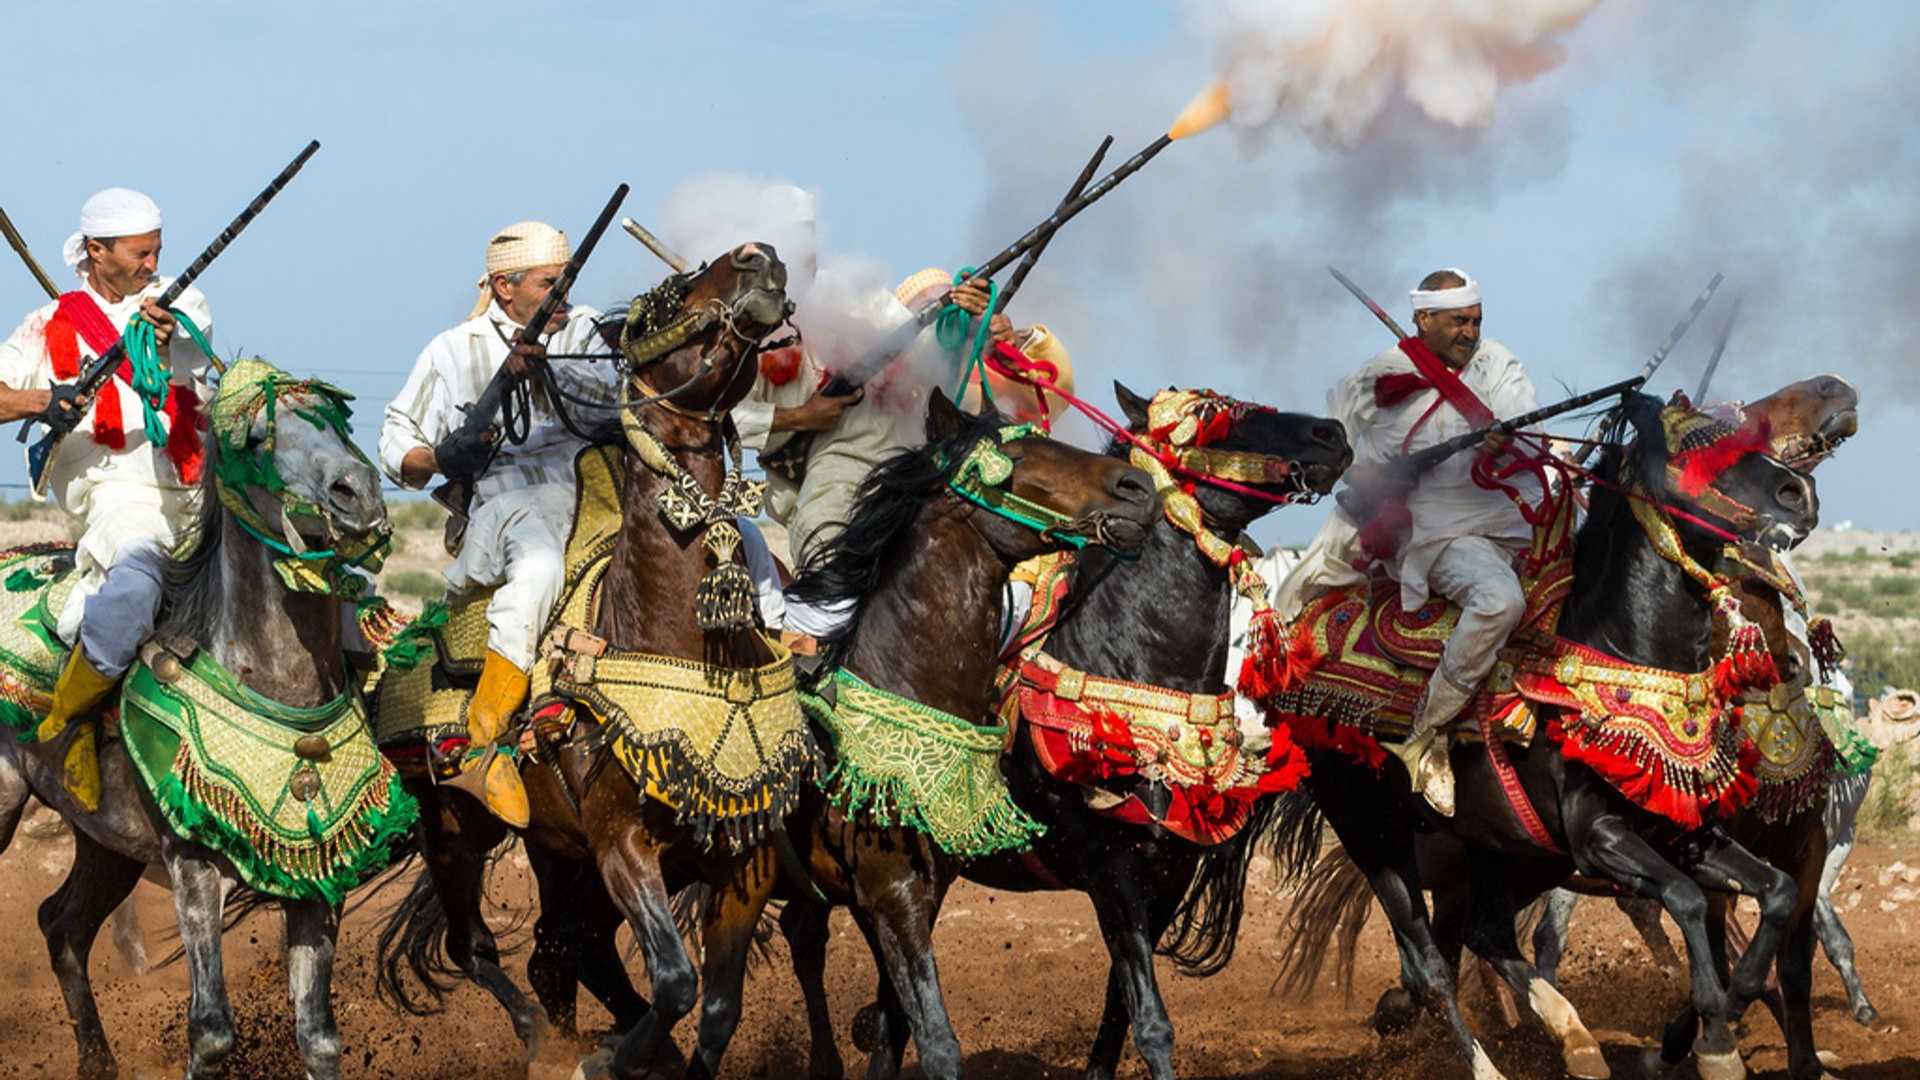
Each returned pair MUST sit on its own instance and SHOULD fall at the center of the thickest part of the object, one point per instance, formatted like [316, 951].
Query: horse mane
[866, 549]
[192, 595]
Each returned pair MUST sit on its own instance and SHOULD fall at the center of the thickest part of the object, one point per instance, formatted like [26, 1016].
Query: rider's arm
[417, 418]
[25, 377]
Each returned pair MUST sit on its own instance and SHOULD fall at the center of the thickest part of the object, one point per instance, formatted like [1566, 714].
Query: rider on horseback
[135, 488]
[516, 529]
[1463, 537]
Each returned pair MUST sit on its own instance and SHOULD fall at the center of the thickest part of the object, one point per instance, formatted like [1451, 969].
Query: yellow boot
[490, 776]
[81, 688]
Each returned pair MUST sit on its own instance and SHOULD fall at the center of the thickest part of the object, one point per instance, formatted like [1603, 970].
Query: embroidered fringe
[702, 800]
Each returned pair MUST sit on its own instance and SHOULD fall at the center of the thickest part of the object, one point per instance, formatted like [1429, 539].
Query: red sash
[78, 319]
[1432, 374]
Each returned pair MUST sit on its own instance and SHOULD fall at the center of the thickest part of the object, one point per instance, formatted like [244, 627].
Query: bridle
[985, 478]
[657, 326]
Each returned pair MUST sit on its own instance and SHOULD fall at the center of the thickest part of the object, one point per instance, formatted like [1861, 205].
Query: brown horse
[1160, 618]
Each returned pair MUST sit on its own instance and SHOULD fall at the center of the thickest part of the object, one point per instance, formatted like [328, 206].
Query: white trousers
[517, 544]
[1476, 573]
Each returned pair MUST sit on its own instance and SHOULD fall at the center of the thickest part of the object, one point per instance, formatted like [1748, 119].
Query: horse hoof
[866, 1028]
[1866, 1016]
[1395, 1012]
[1727, 1066]
[1828, 1059]
[1587, 1063]
[595, 1066]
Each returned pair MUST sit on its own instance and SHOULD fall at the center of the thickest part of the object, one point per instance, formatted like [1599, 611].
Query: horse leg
[1795, 966]
[1383, 848]
[880, 1028]
[313, 928]
[803, 922]
[1644, 914]
[198, 900]
[1132, 999]
[901, 897]
[603, 971]
[1103, 1060]
[96, 882]
[1834, 940]
[630, 866]
[453, 839]
[553, 970]
[1603, 844]
[1490, 916]
[1726, 865]
[726, 939]
[1550, 937]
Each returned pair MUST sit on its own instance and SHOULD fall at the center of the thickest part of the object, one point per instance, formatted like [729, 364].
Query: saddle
[35, 582]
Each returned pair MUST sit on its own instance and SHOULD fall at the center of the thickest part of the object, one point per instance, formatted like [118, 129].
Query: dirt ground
[1023, 978]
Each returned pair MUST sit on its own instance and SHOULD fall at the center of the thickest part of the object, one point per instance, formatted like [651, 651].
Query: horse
[1628, 601]
[1118, 621]
[224, 595]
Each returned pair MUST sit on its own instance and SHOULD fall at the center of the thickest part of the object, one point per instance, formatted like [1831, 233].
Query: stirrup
[492, 776]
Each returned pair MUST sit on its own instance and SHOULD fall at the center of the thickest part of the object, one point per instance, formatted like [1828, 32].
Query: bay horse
[1630, 602]
[223, 594]
[1159, 617]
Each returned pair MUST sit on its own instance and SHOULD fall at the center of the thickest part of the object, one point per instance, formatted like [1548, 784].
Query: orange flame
[1203, 112]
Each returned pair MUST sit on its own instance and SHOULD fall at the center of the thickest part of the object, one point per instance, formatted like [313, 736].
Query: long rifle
[19, 246]
[64, 411]
[1080, 182]
[1719, 347]
[901, 337]
[466, 451]
[1659, 356]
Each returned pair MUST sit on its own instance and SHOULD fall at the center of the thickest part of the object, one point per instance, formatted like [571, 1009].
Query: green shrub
[416, 514]
[19, 510]
[1902, 561]
[1896, 586]
[1889, 805]
[420, 584]
[1877, 662]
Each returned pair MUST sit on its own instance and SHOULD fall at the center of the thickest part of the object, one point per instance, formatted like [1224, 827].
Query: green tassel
[24, 580]
[413, 644]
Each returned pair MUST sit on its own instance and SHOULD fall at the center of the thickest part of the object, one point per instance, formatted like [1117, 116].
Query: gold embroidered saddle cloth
[428, 674]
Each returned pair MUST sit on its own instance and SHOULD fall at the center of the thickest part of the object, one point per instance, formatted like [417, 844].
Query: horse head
[694, 339]
[1807, 420]
[1285, 456]
[284, 463]
[1724, 478]
[1040, 492]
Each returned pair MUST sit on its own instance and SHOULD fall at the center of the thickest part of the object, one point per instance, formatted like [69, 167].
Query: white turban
[1459, 296]
[111, 213]
[716, 213]
[521, 246]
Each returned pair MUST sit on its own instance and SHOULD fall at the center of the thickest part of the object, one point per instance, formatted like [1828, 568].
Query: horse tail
[689, 907]
[414, 938]
[1330, 908]
[1206, 925]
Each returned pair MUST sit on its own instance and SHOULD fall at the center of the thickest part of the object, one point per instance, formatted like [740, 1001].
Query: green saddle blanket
[34, 585]
[299, 800]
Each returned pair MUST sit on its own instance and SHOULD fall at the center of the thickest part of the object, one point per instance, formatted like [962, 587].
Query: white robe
[124, 499]
[522, 507]
[1446, 504]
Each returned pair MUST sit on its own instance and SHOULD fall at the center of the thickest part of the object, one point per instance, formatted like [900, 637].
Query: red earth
[1023, 975]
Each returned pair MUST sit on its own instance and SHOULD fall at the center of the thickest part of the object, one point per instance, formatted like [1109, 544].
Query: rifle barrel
[1680, 328]
[1068, 212]
[1719, 347]
[530, 333]
[19, 245]
[1079, 185]
[1433, 455]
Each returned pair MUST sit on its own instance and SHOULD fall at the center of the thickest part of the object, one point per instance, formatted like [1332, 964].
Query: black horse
[1160, 618]
[1634, 604]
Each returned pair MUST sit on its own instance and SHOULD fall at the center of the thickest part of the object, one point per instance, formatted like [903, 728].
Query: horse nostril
[1331, 436]
[1132, 486]
[1791, 497]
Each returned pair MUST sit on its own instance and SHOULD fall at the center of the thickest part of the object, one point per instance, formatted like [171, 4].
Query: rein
[983, 479]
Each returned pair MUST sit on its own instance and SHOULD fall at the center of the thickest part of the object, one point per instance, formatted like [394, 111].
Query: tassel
[1267, 669]
[1827, 650]
[724, 599]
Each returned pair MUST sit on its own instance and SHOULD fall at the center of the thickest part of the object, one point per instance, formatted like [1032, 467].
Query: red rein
[1012, 364]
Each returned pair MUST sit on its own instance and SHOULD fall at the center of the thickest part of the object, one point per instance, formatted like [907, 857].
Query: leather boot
[488, 774]
[1425, 753]
[80, 690]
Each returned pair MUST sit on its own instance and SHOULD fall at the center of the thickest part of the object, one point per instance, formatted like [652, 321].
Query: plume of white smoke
[1331, 67]
[844, 304]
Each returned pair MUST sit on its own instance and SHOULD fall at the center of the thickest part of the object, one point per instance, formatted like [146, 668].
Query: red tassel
[184, 446]
[63, 347]
[1287, 764]
[1746, 781]
[107, 429]
[1214, 430]
[1318, 733]
[1699, 468]
[781, 366]
[1268, 666]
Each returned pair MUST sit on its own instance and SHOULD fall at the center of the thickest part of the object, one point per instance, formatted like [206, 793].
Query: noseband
[657, 325]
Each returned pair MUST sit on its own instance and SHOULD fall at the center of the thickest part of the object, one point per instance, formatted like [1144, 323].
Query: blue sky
[1770, 146]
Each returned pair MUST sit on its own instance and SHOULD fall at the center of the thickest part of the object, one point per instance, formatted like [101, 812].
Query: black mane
[866, 549]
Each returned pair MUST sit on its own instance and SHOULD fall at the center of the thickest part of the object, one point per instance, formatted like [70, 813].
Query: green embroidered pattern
[1854, 753]
[38, 581]
[907, 764]
[299, 800]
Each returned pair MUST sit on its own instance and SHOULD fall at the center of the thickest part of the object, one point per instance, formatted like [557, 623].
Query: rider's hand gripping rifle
[69, 401]
[504, 407]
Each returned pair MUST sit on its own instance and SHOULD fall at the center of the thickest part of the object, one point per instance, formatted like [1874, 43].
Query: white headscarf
[522, 245]
[108, 214]
[1448, 299]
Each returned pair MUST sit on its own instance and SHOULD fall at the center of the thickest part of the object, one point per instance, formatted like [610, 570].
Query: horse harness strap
[1510, 786]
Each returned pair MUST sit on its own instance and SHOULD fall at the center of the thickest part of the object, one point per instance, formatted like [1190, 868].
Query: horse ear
[944, 418]
[1131, 404]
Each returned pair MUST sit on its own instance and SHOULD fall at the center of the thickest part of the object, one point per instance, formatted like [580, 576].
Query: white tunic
[120, 496]
[1446, 504]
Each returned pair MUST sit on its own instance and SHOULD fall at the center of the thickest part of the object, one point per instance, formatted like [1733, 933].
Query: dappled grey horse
[225, 595]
